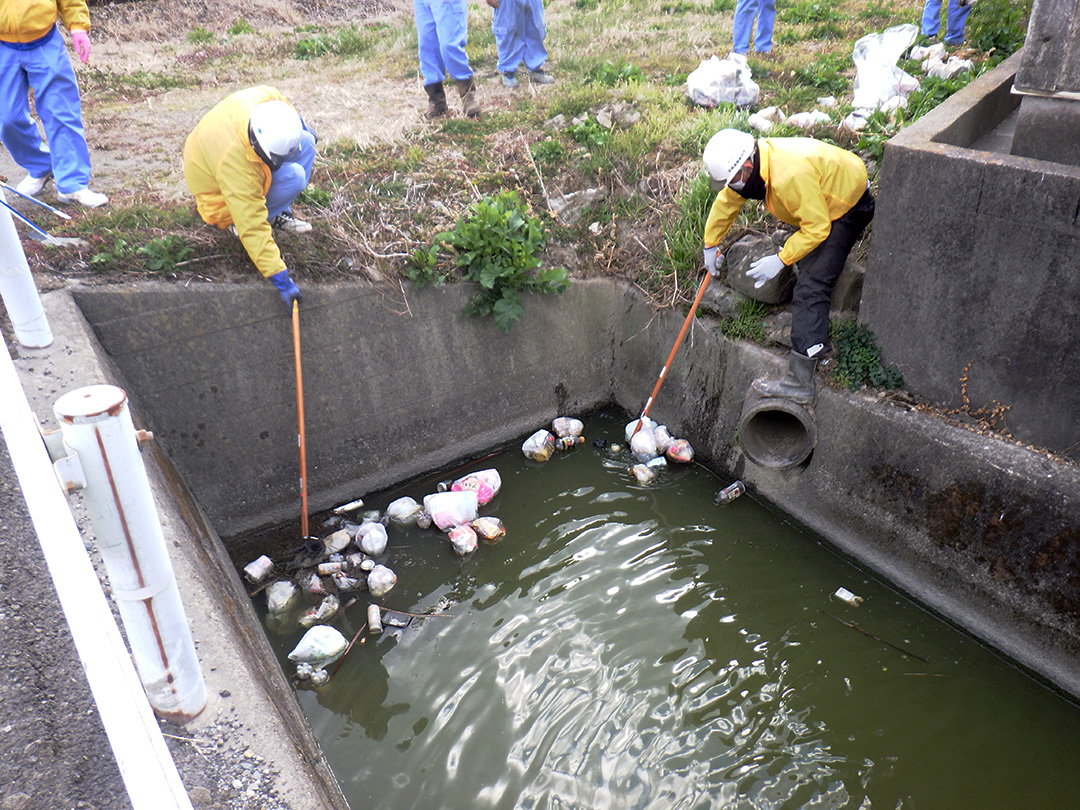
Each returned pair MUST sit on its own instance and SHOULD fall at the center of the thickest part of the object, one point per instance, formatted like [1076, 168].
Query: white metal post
[96, 425]
[18, 290]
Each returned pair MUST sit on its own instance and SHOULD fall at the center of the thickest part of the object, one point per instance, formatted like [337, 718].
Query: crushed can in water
[729, 493]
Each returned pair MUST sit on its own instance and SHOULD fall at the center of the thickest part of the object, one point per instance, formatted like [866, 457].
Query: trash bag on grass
[723, 81]
[877, 78]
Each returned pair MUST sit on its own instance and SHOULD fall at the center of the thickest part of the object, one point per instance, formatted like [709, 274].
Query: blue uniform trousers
[291, 178]
[47, 69]
[954, 25]
[518, 26]
[441, 33]
[745, 11]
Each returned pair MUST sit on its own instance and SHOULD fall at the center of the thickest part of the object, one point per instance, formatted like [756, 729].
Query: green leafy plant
[748, 322]
[857, 360]
[162, 255]
[104, 259]
[824, 74]
[610, 74]
[720, 6]
[547, 151]
[351, 41]
[241, 26]
[312, 195]
[199, 35]
[589, 134]
[497, 245]
[998, 27]
[682, 230]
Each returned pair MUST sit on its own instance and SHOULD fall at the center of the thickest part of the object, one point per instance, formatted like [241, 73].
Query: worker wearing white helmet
[819, 189]
[245, 162]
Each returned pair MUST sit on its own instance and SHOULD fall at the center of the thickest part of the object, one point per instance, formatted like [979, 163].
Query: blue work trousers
[291, 178]
[47, 69]
[954, 25]
[441, 32]
[745, 11]
[518, 26]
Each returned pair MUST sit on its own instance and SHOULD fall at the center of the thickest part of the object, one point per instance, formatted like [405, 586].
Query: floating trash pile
[317, 581]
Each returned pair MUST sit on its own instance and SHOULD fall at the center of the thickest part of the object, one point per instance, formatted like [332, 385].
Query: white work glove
[765, 268]
[713, 259]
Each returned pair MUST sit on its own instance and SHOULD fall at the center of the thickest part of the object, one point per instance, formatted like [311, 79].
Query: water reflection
[630, 647]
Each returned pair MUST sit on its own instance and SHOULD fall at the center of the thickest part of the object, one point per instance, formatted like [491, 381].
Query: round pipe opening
[776, 433]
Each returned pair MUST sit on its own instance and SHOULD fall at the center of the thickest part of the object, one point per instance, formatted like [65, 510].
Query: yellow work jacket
[229, 180]
[808, 184]
[27, 20]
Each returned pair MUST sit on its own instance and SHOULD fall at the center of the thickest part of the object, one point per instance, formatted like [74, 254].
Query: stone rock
[569, 208]
[847, 294]
[721, 301]
[739, 257]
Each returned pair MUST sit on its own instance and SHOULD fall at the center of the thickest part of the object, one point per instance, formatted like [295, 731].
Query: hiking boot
[32, 186]
[285, 221]
[510, 80]
[539, 77]
[436, 100]
[467, 90]
[84, 197]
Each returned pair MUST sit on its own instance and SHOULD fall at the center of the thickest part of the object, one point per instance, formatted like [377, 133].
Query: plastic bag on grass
[877, 78]
[718, 81]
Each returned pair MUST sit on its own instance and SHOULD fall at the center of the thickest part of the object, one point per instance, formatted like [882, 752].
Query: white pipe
[144, 760]
[96, 424]
[18, 290]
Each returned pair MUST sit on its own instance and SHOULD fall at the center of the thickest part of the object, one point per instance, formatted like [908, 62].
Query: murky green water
[640, 647]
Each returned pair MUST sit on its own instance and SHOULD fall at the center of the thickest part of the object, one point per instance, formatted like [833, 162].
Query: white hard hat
[725, 152]
[276, 129]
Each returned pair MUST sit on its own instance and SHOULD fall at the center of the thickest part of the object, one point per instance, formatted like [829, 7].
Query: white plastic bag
[449, 509]
[539, 446]
[877, 78]
[372, 539]
[718, 81]
[381, 581]
[403, 510]
[321, 645]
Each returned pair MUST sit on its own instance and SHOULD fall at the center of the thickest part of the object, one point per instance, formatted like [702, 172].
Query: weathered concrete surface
[975, 264]
[1051, 62]
[393, 386]
[244, 691]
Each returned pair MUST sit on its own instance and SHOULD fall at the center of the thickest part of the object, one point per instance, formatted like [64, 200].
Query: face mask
[737, 185]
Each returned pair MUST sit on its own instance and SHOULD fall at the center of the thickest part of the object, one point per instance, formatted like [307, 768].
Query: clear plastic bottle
[729, 493]
[568, 442]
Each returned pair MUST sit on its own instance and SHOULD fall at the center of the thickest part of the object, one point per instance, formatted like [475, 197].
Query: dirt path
[136, 134]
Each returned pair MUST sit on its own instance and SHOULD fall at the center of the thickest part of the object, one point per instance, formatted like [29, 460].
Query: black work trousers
[818, 272]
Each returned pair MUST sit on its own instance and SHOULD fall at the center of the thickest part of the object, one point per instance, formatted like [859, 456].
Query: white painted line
[144, 760]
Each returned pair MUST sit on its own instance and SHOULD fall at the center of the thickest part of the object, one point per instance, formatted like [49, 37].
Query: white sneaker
[287, 222]
[84, 197]
[32, 186]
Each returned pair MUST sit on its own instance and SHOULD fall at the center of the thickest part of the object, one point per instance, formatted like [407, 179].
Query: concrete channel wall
[974, 268]
[986, 533]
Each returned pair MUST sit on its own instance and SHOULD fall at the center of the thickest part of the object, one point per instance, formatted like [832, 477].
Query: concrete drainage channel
[985, 533]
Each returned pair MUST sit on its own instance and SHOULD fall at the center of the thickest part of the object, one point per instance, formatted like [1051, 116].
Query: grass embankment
[376, 205]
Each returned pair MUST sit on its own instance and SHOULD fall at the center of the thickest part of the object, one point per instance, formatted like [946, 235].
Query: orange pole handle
[300, 419]
[674, 349]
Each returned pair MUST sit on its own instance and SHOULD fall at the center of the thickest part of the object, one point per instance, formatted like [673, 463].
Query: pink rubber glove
[81, 40]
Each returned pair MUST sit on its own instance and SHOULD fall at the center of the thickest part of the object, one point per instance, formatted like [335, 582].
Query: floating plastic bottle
[568, 442]
[729, 493]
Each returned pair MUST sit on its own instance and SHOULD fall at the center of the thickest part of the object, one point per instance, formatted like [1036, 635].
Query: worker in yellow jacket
[819, 189]
[245, 162]
[33, 55]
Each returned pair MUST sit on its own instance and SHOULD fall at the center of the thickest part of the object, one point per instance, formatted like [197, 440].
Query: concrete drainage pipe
[776, 433]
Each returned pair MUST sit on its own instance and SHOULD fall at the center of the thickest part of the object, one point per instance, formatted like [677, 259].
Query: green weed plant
[497, 244]
[748, 322]
[857, 360]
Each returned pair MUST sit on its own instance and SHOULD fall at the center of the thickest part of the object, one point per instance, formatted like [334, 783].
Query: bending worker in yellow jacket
[817, 188]
[245, 162]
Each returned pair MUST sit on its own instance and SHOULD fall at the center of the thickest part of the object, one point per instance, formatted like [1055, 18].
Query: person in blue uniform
[518, 26]
[955, 22]
[745, 11]
[33, 54]
[442, 29]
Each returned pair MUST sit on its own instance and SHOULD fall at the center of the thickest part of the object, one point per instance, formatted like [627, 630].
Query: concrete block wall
[975, 264]
[393, 387]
